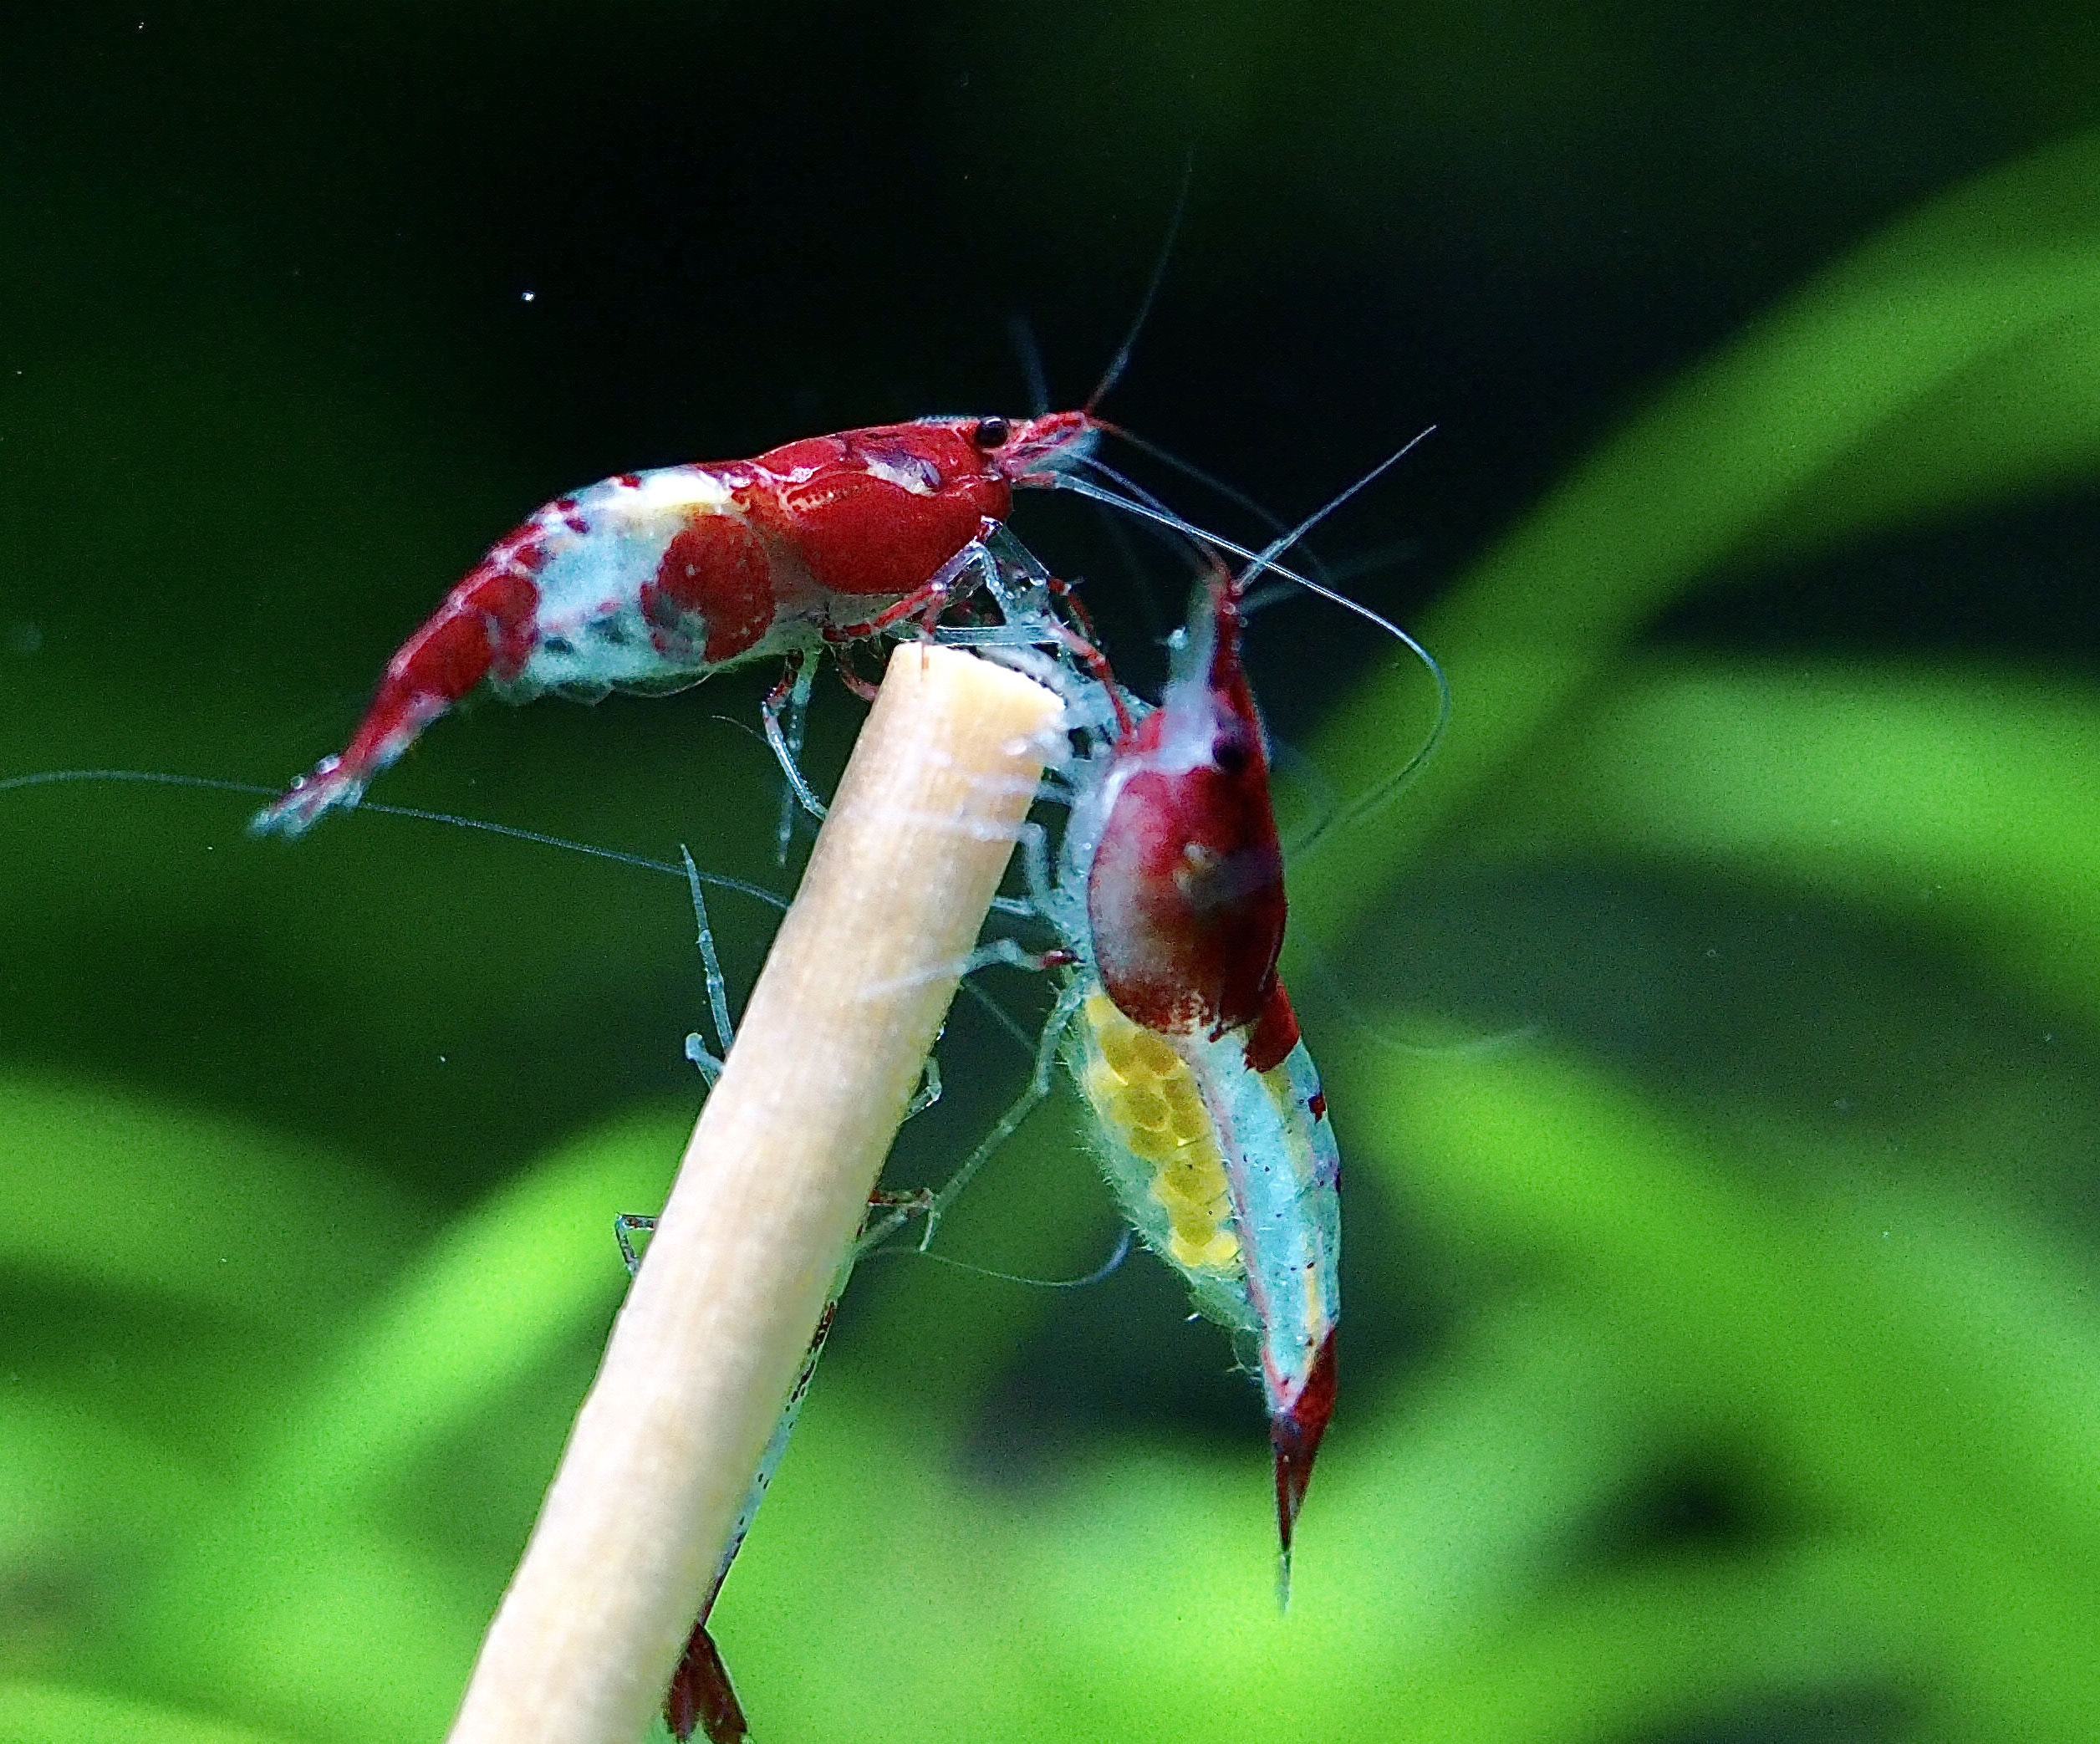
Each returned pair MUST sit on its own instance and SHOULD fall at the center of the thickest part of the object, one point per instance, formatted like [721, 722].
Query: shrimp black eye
[992, 433]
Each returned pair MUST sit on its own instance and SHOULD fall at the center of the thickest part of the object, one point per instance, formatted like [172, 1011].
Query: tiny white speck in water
[528, 296]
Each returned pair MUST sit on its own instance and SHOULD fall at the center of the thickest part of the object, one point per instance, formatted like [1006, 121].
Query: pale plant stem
[773, 1186]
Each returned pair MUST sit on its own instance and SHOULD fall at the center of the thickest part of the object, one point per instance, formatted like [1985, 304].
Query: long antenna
[1261, 559]
[1284, 541]
[1121, 360]
[161, 779]
[1189, 469]
[1022, 336]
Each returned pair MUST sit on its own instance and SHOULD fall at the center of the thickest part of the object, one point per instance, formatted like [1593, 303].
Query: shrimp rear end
[649, 580]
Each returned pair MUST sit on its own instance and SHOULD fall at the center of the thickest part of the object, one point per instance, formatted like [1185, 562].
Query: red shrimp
[655, 580]
[1185, 896]
[1185, 921]
[1177, 851]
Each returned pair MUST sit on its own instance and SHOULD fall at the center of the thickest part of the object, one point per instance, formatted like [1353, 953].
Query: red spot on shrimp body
[1275, 1034]
[875, 512]
[450, 654]
[485, 621]
[1185, 893]
[507, 601]
[716, 569]
[1295, 1436]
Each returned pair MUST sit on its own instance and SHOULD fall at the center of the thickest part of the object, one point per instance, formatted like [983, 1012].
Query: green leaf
[487, 1306]
[1967, 328]
[1957, 802]
[51, 1714]
[1909, 1370]
[108, 1190]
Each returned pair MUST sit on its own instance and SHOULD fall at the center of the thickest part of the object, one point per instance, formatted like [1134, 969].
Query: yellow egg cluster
[1147, 1096]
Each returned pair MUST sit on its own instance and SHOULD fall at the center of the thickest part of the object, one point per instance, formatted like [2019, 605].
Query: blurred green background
[1710, 1031]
